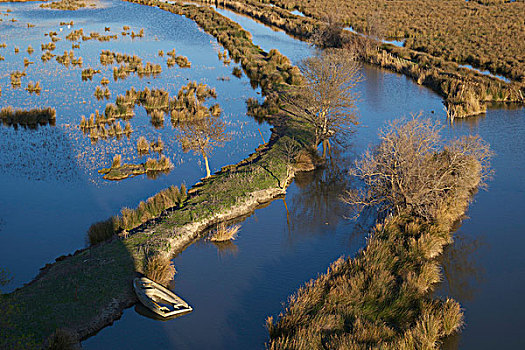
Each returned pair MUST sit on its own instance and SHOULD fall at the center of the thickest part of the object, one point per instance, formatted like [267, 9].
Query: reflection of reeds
[226, 248]
[224, 233]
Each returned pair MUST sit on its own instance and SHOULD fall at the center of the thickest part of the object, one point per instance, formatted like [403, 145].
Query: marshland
[280, 246]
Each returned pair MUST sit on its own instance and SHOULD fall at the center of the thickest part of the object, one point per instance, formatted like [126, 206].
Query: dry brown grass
[224, 233]
[159, 268]
[447, 29]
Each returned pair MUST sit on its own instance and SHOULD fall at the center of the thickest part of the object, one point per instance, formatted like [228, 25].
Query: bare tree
[330, 33]
[411, 171]
[202, 135]
[326, 99]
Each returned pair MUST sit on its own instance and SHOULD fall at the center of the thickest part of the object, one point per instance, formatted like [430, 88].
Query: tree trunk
[208, 174]
[326, 146]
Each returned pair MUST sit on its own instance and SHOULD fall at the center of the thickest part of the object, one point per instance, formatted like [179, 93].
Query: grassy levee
[83, 292]
[86, 291]
[381, 298]
[466, 92]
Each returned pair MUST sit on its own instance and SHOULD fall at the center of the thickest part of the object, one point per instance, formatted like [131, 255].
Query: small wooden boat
[159, 299]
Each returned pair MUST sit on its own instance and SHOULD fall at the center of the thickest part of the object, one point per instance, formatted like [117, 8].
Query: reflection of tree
[461, 270]
[462, 275]
[317, 203]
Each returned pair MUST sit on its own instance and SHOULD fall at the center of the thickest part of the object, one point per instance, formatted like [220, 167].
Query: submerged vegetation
[382, 298]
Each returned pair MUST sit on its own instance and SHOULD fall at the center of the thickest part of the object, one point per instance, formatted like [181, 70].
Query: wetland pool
[233, 288]
[51, 191]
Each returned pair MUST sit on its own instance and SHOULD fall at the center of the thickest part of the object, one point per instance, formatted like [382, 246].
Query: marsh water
[51, 191]
[234, 287]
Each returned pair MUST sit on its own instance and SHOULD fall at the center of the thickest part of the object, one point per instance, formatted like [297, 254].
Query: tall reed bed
[466, 92]
[268, 70]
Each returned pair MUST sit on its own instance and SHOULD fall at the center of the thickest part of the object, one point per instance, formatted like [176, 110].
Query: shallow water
[233, 291]
[234, 288]
[51, 191]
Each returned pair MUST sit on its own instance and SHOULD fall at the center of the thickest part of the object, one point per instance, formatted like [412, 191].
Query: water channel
[233, 288]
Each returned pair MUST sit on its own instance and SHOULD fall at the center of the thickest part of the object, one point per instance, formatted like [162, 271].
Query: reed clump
[27, 62]
[181, 61]
[16, 78]
[140, 34]
[159, 268]
[171, 197]
[119, 171]
[102, 231]
[34, 87]
[157, 146]
[148, 70]
[66, 58]
[46, 56]
[143, 146]
[237, 72]
[224, 233]
[29, 118]
[69, 5]
[75, 35]
[88, 73]
[49, 46]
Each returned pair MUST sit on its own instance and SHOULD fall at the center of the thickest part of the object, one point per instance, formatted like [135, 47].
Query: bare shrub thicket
[410, 172]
